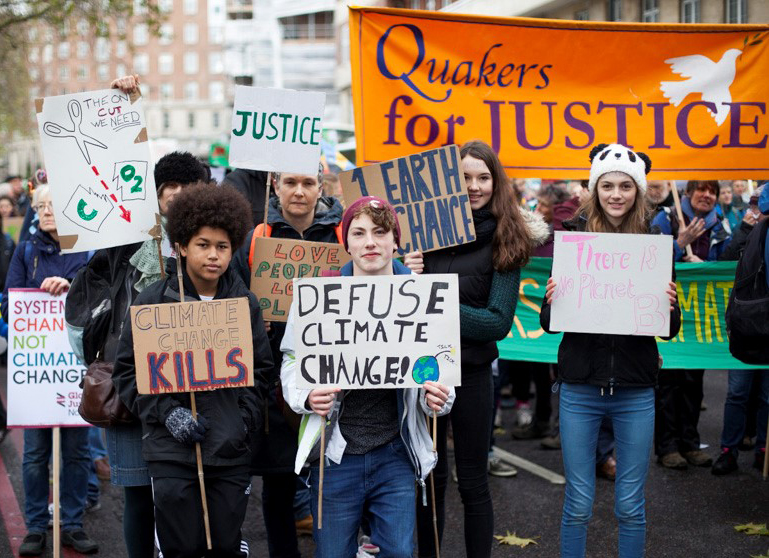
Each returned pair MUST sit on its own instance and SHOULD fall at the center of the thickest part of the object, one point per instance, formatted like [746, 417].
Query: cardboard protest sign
[612, 283]
[193, 346]
[12, 226]
[276, 129]
[278, 261]
[693, 97]
[99, 168]
[389, 331]
[43, 372]
[428, 192]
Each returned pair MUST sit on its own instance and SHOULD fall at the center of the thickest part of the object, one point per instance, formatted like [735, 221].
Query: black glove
[184, 428]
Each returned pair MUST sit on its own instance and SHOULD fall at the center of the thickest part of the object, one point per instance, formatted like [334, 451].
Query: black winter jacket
[253, 185]
[608, 360]
[232, 413]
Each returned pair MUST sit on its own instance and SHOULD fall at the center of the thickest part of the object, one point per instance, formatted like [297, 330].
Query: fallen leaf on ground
[761, 555]
[752, 529]
[514, 540]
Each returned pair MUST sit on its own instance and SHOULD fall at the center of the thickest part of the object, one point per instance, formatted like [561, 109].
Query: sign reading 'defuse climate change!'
[612, 283]
[193, 346]
[277, 130]
[99, 168]
[278, 261]
[389, 331]
[43, 372]
[428, 192]
[543, 92]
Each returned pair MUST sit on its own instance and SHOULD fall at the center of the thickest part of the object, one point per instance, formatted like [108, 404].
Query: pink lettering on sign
[598, 261]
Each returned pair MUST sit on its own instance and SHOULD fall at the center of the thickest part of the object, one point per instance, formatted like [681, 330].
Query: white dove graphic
[711, 79]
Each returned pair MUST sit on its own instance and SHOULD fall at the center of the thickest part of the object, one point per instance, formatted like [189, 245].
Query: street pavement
[689, 513]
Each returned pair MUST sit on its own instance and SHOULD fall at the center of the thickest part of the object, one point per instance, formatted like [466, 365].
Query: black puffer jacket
[232, 413]
[473, 264]
[607, 360]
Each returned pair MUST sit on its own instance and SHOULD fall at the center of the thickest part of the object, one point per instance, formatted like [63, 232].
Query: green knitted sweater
[493, 322]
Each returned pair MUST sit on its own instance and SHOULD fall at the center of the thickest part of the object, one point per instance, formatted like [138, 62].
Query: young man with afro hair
[208, 224]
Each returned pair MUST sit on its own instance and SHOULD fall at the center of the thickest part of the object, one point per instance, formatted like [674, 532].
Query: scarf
[146, 260]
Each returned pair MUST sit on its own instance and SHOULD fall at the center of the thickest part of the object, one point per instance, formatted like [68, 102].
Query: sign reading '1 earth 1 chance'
[276, 130]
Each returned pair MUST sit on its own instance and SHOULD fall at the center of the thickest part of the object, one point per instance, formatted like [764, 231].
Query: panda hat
[618, 158]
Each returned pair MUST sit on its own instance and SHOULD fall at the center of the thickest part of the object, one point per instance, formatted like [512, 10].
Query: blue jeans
[75, 463]
[736, 406]
[379, 484]
[97, 449]
[582, 409]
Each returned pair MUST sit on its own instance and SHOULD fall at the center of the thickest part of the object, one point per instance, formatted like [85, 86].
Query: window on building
[82, 49]
[63, 73]
[121, 26]
[191, 91]
[166, 120]
[191, 63]
[47, 54]
[82, 73]
[166, 64]
[63, 50]
[32, 34]
[650, 11]
[102, 49]
[736, 11]
[690, 11]
[121, 49]
[140, 6]
[102, 72]
[190, 120]
[215, 63]
[190, 33]
[64, 30]
[614, 10]
[120, 69]
[165, 6]
[216, 35]
[141, 34]
[318, 25]
[82, 27]
[34, 73]
[142, 64]
[215, 122]
[216, 91]
[166, 34]
[582, 15]
[34, 54]
[166, 91]
[190, 7]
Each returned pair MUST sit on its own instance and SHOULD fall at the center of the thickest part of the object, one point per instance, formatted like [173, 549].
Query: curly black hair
[203, 205]
[180, 167]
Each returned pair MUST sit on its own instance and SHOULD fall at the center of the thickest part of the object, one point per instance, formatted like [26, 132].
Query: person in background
[19, 194]
[740, 193]
[659, 194]
[727, 208]
[39, 264]
[253, 185]
[7, 207]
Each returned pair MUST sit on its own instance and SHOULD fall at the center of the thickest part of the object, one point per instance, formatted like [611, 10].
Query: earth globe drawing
[425, 369]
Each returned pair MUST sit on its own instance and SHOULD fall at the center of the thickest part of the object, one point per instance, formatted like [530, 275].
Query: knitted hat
[618, 158]
[374, 202]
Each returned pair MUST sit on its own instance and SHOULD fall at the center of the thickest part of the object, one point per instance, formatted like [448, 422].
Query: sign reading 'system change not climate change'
[377, 332]
[193, 346]
[43, 372]
[612, 283]
[276, 130]
[428, 192]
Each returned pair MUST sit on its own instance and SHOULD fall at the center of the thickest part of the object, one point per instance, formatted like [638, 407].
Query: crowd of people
[612, 411]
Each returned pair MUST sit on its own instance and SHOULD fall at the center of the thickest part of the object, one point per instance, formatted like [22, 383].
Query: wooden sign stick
[679, 213]
[56, 492]
[432, 485]
[322, 463]
[766, 461]
[266, 209]
[267, 199]
[194, 410]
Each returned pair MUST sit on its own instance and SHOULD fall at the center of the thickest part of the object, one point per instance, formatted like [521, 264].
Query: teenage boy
[298, 211]
[379, 447]
[208, 223]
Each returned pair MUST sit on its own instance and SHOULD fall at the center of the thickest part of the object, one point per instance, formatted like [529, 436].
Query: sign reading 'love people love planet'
[542, 92]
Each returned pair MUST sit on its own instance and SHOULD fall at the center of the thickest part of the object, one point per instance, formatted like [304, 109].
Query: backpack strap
[261, 229]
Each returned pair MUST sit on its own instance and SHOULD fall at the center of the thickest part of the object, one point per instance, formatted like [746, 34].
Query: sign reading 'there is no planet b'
[276, 130]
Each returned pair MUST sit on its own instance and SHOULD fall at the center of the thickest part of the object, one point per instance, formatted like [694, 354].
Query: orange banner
[543, 92]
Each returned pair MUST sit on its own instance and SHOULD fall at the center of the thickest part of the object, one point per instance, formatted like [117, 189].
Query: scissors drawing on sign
[83, 140]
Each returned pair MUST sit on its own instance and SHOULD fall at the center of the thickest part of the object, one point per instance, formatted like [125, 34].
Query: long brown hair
[512, 240]
[635, 221]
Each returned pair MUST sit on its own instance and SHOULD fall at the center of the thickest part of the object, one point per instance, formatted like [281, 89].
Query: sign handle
[206, 523]
[194, 409]
[266, 199]
[266, 209]
[432, 485]
[679, 213]
[322, 463]
[435, 430]
[766, 461]
[56, 486]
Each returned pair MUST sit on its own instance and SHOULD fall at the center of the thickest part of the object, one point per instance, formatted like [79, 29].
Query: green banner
[703, 293]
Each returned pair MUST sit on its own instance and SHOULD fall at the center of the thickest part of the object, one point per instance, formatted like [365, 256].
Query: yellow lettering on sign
[711, 313]
[689, 304]
[524, 300]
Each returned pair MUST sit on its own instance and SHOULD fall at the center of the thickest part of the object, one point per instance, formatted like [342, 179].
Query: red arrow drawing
[125, 214]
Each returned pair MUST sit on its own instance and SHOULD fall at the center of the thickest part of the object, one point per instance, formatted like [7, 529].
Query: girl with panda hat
[610, 376]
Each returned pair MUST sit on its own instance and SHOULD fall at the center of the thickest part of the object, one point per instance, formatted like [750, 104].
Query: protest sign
[12, 226]
[427, 190]
[278, 261]
[391, 331]
[193, 346]
[693, 97]
[612, 283]
[99, 168]
[703, 293]
[43, 372]
[276, 129]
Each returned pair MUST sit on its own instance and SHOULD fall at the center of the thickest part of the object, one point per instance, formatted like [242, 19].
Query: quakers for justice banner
[703, 294]
[543, 92]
